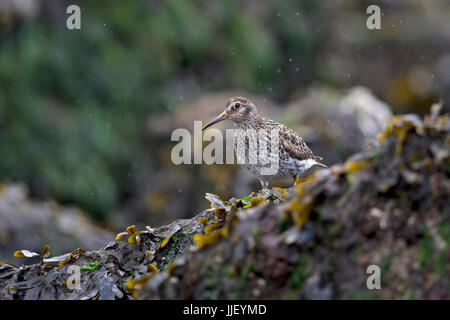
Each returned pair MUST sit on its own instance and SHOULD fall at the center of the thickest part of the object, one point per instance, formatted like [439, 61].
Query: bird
[295, 158]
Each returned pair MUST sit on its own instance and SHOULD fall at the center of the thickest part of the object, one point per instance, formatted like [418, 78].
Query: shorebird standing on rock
[294, 158]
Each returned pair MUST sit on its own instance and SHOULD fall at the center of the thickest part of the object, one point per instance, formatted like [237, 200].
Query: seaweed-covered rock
[29, 223]
[387, 207]
[109, 273]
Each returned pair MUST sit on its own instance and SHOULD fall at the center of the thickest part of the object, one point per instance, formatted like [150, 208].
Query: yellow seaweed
[77, 251]
[138, 283]
[121, 235]
[300, 181]
[135, 237]
[203, 240]
[283, 192]
[151, 268]
[300, 209]
[203, 221]
[400, 126]
[166, 240]
[131, 229]
[352, 165]
[45, 251]
[213, 227]
[256, 200]
[25, 254]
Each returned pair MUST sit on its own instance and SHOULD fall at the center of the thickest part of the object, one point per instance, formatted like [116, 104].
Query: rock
[315, 243]
[367, 226]
[26, 223]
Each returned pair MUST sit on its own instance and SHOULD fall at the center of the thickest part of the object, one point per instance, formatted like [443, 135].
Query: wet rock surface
[28, 223]
[387, 206]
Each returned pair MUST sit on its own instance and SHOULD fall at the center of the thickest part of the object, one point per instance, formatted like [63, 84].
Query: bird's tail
[321, 165]
[317, 158]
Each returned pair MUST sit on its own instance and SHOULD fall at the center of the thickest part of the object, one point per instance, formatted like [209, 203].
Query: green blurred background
[75, 105]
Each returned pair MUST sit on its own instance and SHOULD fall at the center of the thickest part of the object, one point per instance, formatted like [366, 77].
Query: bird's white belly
[286, 167]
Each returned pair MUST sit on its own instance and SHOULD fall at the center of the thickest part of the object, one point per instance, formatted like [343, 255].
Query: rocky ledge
[385, 210]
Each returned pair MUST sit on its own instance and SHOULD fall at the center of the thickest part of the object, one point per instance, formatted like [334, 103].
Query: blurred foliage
[73, 104]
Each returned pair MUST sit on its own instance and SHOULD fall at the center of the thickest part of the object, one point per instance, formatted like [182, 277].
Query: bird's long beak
[220, 117]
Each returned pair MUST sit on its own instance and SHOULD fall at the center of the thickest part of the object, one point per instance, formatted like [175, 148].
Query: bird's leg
[295, 180]
[264, 185]
[265, 192]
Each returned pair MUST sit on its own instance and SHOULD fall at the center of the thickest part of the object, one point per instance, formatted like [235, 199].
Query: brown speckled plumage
[295, 158]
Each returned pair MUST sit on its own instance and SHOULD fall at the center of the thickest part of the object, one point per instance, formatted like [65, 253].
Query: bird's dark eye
[237, 105]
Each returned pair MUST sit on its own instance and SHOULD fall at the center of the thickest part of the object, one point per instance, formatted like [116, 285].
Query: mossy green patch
[283, 224]
[386, 262]
[425, 254]
[211, 275]
[175, 247]
[91, 266]
[300, 272]
[245, 271]
[444, 231]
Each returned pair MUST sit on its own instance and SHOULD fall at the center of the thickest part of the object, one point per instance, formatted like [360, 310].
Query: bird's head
[237, 109]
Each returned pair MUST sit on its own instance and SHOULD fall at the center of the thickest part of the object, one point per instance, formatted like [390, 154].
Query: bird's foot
[265, 191]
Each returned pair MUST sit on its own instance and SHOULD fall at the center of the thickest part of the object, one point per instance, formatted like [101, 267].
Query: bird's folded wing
[295, 147]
